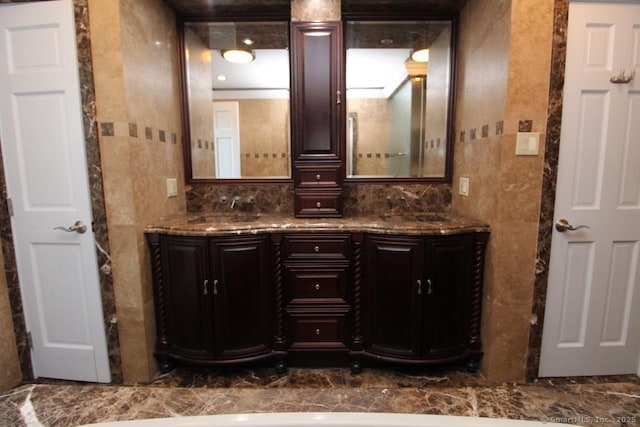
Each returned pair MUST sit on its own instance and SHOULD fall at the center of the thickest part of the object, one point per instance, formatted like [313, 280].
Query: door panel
[592, 316]
[394, 320]
[449, 263]
[226, 133]
[242, 294]
[620, 288]
[42, 137]
[629, 183]
[188, 296]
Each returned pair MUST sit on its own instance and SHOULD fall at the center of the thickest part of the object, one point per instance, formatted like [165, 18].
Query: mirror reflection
[398, 78]
[237, 90]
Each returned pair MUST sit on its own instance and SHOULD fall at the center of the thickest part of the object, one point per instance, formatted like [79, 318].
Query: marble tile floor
[606, 401]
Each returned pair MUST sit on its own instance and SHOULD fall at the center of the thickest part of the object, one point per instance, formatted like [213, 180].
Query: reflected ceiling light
[247, 41]
[421, 55]
[238, 56]
[221, 78]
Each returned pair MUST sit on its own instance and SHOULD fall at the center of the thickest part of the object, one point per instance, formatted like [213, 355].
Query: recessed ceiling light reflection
[238, 56]
[421, 55]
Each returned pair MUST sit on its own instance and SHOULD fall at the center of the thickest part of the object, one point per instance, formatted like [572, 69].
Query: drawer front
[313, 178]
[317, 330]
[317, 246]
[318, 204]
[317, 286]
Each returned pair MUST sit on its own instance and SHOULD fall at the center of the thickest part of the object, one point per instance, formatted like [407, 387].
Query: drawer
[316, 286]
[309, 330]
[317, 246]
[318, 204]
[317, 177]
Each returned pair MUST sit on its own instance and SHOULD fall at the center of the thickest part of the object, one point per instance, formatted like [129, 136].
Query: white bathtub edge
[326, 419]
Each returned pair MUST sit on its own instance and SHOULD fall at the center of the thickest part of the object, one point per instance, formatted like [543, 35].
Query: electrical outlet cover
[463, 187]
[172, 187]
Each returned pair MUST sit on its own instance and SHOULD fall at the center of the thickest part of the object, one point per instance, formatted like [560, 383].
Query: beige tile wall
[264, 137]
[137, 96]
[503, 79]
[200, 107]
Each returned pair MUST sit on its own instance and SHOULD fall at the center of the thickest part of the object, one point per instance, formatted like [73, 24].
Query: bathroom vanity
[241, 288]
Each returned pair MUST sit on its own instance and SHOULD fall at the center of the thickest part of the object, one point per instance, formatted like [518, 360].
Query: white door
[226, 134]
[592, 316]
[42, 140]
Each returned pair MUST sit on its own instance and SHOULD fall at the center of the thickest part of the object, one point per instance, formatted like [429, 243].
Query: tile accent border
[524, 125]
[130, 130]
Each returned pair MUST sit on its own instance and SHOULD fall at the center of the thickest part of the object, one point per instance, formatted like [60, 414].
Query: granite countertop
[423, 223]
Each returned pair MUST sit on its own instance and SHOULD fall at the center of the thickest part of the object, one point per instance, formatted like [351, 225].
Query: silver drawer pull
[317, 331]
[316, 249]
[318, 205]
[317, 286]
[318, 177]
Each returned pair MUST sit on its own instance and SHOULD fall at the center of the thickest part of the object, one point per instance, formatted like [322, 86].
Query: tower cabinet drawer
[318, 204]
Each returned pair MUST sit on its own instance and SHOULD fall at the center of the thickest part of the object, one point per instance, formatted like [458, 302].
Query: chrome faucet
[235, 201]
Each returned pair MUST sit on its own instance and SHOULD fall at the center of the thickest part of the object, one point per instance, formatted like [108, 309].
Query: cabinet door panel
[393, 305]
[188, 309]
[243, 303]
[317, 89]
[449, 263]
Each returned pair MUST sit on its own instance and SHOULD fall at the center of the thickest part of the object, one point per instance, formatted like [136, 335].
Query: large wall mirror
[236, 91]
[398, 105]
[399, 86]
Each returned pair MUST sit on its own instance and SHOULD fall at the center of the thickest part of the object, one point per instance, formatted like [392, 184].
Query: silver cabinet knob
[318, 205]
[318, 177]
[316, 249]
[317, 331]
[317, 286]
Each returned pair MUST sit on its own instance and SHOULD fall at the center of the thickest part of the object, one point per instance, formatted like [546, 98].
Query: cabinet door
[449, 270]
[187, 299]
[242, 296]
[393, 317]
[317, 90]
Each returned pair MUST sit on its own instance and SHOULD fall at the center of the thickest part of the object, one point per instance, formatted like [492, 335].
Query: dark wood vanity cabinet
[318, 298]
[422, 299]
[213, 299]
[317, 118]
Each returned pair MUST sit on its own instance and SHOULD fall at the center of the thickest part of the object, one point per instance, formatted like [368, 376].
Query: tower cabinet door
[449, 262]
[393, 297]
[186, 297]
[243, 304]
[317, 90]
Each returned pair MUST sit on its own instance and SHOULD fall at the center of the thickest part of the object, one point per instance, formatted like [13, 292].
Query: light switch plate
[463, 187]
[172, 187]
[527, 143]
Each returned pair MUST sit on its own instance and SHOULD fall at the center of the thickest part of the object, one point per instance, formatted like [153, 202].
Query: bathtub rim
[327, 419]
